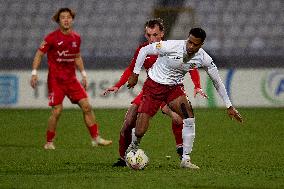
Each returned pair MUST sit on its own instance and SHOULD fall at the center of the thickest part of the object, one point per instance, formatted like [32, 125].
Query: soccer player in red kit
[154, 32]
[63, 55]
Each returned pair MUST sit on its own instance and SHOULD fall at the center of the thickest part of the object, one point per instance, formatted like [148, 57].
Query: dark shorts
[154, 94]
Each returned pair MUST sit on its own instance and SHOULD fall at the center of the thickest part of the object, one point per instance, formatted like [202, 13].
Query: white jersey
[173, 63]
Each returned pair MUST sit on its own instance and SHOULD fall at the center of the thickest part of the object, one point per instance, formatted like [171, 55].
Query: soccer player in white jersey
[165, 83]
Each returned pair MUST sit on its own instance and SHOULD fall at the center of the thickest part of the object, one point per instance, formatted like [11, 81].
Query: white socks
[188, 135]
[135, 141]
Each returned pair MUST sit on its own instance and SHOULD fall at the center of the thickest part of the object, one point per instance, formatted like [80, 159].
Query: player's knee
[187, 112]
[129, 122]
[56, 112]
[86, 108]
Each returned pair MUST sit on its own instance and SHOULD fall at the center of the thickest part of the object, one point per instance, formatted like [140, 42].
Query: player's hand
[85, 83]
[132, 80]
[233, 113]
[199, 91]
[33, 81]
[109, 90]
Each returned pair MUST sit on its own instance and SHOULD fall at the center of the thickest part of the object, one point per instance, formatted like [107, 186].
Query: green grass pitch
[230, 155]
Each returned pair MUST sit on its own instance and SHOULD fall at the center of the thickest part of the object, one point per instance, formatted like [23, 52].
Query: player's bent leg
[126, 130]
[89, 116]
[52, 124]
[141, 127]
[177, 131]
[184, 108]
[92, 126]
[125, 134]
[54, 117]
[142, 124]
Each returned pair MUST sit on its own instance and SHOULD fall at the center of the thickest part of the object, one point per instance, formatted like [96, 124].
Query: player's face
[65, 20]
[154, 34]
[193, 44]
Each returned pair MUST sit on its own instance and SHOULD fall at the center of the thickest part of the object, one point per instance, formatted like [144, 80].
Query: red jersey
[149, 61]
[61, 50]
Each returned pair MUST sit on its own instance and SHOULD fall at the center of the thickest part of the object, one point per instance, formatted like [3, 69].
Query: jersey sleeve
[46, 44]
[128, 71]
[124, 77]
[150, 49]
[195, 77]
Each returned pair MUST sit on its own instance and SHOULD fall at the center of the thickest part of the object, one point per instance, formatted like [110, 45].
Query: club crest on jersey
[74, 44]
[159, 45]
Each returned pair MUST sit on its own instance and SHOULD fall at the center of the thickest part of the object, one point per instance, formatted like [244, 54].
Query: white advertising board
[246, 88]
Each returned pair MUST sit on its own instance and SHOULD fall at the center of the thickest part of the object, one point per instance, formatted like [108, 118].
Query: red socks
[124, 142]
[177, 131]
[94, 130]
[50, 135]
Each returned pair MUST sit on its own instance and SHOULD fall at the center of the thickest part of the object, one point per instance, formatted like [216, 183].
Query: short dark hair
[198, 33]
[156, 21]
[57, 14]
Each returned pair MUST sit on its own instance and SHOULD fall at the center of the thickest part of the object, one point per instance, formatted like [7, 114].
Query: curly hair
[57, 14]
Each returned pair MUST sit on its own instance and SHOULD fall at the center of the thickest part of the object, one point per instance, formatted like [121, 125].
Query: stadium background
[245, 38]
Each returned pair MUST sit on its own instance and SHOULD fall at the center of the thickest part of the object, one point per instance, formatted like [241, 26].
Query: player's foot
[179, 152]
[185, 163]
[120, 163]
[49, 146]
[101, 142]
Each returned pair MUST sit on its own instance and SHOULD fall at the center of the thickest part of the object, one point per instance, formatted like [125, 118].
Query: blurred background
[241, 33]
[245, 35]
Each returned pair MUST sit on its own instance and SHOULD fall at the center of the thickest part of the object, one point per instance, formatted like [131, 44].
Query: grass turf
[230, 155]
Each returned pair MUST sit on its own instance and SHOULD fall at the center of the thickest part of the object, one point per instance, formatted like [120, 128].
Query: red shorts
[137, 100]
[154, 94]
[72, 89]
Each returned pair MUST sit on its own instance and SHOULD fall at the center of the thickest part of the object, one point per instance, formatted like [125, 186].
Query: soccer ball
[136, 160]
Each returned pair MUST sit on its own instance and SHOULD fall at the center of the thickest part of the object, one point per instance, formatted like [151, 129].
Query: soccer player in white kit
[165, 83]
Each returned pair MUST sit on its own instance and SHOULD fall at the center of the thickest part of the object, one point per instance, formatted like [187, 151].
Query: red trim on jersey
[150, 60]
[195, 77]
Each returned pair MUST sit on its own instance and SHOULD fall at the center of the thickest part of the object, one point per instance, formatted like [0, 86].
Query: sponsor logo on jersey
[74, 44]
[273, 87]
[60, 43]
[62, 53]
[159, 45]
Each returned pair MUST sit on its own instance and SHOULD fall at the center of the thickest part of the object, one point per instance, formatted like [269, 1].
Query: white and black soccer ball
[136, 160]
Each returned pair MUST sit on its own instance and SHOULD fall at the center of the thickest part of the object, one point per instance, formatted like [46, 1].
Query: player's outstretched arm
[233, 113]
[123, 79]
[199, 91]
[195, 77]
[109, 90]
[36, 63]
